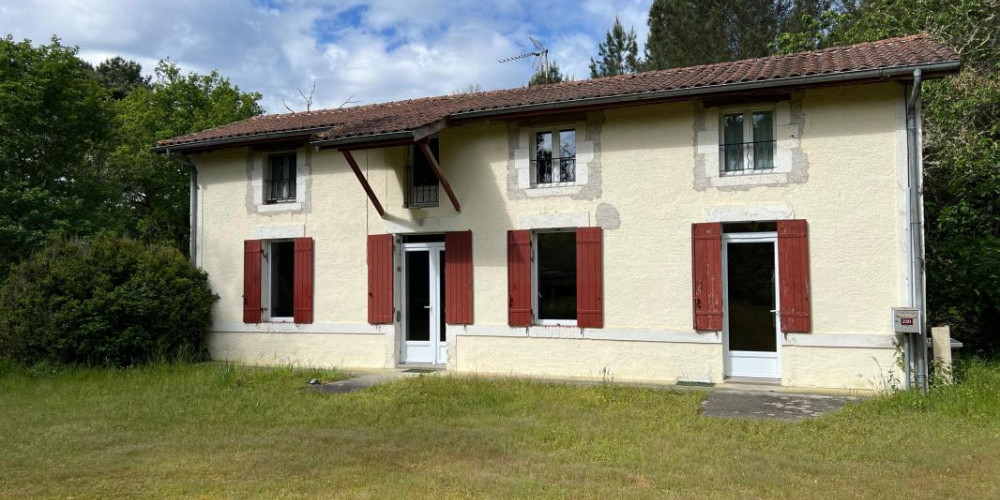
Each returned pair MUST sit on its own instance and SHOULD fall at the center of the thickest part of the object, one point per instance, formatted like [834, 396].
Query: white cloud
[374, 50]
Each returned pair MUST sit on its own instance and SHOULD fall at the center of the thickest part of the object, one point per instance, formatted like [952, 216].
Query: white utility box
[905, 320]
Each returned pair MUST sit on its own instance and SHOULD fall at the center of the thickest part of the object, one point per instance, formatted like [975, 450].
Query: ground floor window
[280, 282]
[555, 277]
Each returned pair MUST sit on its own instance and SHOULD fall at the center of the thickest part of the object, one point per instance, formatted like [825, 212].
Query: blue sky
[368, 51]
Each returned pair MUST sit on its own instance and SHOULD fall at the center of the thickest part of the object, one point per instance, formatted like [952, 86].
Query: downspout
[193, 215]
[914, 162]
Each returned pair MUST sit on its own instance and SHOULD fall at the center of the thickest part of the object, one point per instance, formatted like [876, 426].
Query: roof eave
[367, 141]
[188, 147]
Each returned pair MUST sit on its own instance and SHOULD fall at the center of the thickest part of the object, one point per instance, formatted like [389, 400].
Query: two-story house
[752, 219]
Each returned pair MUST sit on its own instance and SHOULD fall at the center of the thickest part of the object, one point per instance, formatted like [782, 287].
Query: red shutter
[303, 283]
[251, 281]
[706, 275]
[793, 276]
[380, 290]
[519, 278]
[458, 277]
[589, 278]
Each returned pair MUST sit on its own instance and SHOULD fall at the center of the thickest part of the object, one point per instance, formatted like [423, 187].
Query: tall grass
[219, 430]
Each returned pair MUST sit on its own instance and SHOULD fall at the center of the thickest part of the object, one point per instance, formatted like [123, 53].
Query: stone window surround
[789, 161]
[523, 151]
[255, 194]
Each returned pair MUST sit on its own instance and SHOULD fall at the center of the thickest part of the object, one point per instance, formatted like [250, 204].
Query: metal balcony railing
[422, 190]
[279, 190]
[547, 173]
[743, 157]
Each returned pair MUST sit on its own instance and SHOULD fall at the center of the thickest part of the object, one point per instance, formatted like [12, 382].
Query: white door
[424, 333]
[752, 334]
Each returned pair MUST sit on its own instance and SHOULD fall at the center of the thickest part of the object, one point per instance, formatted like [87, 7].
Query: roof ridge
[587, 81]
[379, 118]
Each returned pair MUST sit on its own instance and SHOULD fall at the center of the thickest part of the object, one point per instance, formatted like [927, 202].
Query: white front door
[751, 305]
[424, 334]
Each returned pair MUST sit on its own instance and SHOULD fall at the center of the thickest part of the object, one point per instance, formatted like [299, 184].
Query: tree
[554, 75]
[691, 32]
[153, 194]
[120, 76]
[55, 122]
[618, 53]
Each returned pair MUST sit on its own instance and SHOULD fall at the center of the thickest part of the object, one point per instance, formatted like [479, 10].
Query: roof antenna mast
[541, 55]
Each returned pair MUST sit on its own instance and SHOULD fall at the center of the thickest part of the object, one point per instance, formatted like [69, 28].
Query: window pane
[557, 275]
[280, 177]
[750, 269]
[763, 136]
[282, 257]
[543, 157]
[418, 296]
[567, 155]
[732, 135]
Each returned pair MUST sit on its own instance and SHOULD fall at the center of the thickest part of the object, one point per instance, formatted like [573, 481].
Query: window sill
[561, 189]
[749, 179]
[555, 322]
[293, 206]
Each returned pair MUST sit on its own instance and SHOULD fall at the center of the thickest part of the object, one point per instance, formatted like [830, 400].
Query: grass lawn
[211, 431]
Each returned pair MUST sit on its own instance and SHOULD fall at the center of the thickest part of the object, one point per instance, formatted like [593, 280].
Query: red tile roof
[861, 62]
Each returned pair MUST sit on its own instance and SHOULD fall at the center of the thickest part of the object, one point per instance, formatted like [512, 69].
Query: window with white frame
[555, 268]
[747, 141]
[279, 178]
[554, 157]
[279, 280]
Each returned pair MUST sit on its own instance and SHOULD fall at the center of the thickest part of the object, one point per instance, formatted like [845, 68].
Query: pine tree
[554, 75]
[691, 32]
[618, 53]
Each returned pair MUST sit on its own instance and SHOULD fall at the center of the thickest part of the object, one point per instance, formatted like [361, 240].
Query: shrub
[108, 301]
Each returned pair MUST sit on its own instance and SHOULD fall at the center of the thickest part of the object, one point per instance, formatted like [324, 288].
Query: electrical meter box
[905, 320]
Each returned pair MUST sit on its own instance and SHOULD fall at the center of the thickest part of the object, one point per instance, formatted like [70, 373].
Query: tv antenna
[541, 55]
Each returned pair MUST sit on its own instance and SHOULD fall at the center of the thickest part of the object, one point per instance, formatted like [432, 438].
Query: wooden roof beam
[364, 182]
[440, 176]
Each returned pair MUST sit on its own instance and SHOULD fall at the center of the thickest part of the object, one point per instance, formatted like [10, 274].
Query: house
[749, 219]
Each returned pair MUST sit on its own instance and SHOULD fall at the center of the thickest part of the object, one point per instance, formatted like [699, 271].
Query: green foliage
[554, 75]
[692, 32]
[120, 76]
[108, 302]
[619, 53]
[154, 188]
[962, 202]
[75, 149]
[55, 125]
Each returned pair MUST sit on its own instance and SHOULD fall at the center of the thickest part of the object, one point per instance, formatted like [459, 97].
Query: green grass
[217, 431]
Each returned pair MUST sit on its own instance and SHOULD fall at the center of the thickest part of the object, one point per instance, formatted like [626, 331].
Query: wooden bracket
[363, 181]
[437, 172]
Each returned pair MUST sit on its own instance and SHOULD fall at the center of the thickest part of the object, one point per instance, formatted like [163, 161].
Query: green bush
[109, 301]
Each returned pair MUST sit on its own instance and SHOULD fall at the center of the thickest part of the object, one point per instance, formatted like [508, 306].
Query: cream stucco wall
[645, 171]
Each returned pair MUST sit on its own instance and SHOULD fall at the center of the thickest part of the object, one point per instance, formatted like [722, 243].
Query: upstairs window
[747, 144]
[279, 178]
[555, 156]
[422, 184]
